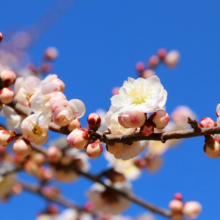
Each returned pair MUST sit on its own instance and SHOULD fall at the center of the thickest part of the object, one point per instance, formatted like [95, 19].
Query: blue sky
[99, 42]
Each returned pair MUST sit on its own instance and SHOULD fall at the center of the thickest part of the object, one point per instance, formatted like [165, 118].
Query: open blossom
[143, 95]
[24, 88]
[126, 167]
[33, 132]
[109, 202]
[71, 214]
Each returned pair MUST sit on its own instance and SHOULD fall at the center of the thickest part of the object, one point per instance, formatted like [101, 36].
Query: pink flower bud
[147, 129]
[38, 158]
[21, 147]
[131, 119]
[178, 196]
[46, 67]
[115, 148]
[153, 61]
[140, 67]
[8, 77]
[54, 154]
[140, 163]
[115, 90]
[206, 123]
[1, 37]
[31, 167]
[6, 95]
[162, 53]
[16, 188]
[172, 58]
[94, 121]
[60, 83]
[211, 147]
[51, 53]
[74, 124]
[94, 150]
[148, 73]
[160, 119]
[6, 137]
[154, 162]
[78, 138]
[176, 205]
[192, 209]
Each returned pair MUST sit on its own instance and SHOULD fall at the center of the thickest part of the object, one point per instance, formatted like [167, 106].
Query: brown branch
[58, 199]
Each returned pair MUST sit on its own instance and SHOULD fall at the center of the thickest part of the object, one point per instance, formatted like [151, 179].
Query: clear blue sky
[99, 42]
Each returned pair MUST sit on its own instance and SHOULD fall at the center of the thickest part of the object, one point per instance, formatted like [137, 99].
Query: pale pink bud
[78, 138]
[192, 209]
[162, 53]
[115, 90]
[51, 53]
[1, 37]
[160, 119]
[47, 174]
[131, 119]
[94, 121]
[38, 158]
[60, 83]
[74, 124]
[6, 95]
[115, 148]
[54, 154]
[46, 67]
[172, 58]
[153, 61]
[176, 205]
[16, 188]
[206, 123]
[211, 147]
[140, 163]
[148, 73]
[31, 167]
[8, 77]
[6, 137]
[21, 147]
[94, 150]
[140, 67]
[147, 129]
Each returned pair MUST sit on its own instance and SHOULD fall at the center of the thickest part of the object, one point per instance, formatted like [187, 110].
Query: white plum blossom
[143, 95]
[71, 214]
[126, 167]
[24, 88]
[33, 132]
[108, 202]
[13, 120]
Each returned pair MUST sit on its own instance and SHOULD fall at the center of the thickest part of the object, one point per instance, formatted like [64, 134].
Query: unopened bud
[115, 148]
[6, 95]
[51, 53]
[140, 163]
[115, 90]
[30, 167]
[38, 158]
[148, 73]
[46, 67]
[131, 119]
[147, 129]
[160, 119]
[176, 205]
[154, 162]
[178, 196]
[60, 83]
[211, 147]
[54, 154]
[78, 138]
[1, 37]
[192, 209]
[21, 147]
[172, 58]
[6, 137]
[206, 123]
[140, 67]
[94, 121]
[94, 150]
[153, 61]
[16, 188]
[8, 77]
[74, 124]
[162, 53]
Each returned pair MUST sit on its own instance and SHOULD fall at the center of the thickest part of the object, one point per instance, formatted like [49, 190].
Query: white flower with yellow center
[143, 95]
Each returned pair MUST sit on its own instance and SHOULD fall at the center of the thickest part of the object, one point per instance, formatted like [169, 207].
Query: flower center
[37, 130]
[138, 95]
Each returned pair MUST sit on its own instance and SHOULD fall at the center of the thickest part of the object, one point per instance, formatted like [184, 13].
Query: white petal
[80, 106]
